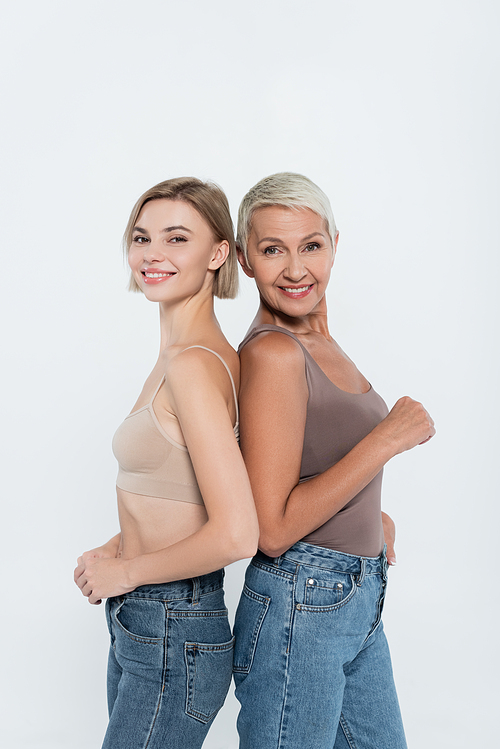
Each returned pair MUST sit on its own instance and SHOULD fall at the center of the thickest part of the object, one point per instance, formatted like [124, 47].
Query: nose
[295, 270]
[153, 251]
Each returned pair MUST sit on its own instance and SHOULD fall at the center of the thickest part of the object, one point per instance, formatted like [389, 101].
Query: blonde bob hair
[286, 189]
[211, 203]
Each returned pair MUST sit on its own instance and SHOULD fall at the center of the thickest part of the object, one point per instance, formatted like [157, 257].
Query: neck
[188, 321]
[314, 322]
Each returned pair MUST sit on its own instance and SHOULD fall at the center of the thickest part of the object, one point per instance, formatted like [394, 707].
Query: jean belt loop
[196, 591]
[362, 572]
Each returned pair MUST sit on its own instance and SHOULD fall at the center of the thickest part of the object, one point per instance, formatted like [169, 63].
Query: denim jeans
[312, 666]
[170, 663]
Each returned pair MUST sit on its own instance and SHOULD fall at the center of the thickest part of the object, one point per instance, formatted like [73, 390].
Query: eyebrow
[166, 230]
[304, 239]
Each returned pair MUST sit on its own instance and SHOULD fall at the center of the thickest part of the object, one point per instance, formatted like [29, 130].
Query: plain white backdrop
[393, 109]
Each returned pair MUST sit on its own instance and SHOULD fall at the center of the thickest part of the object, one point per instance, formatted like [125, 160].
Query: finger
[76, 574]
[87, 589]
[390, 553]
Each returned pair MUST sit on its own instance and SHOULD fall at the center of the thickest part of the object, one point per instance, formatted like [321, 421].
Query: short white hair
[285, 189]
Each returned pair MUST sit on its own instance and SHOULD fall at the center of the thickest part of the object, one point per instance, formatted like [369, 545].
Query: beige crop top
[152, 463]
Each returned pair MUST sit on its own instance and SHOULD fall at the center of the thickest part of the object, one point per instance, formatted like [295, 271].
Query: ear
[243, 262]
[335, 242]
[220, 256]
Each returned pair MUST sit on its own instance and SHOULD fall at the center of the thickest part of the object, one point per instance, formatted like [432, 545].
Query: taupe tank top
[150, 461]
[335, 422]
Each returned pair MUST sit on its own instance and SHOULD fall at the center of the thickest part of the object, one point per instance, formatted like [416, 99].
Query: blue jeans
[170, 663]
[312, 666]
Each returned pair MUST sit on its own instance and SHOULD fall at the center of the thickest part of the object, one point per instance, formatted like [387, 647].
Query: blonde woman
[312, 666]
[184, 498]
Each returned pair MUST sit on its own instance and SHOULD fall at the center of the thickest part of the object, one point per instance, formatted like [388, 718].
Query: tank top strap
[269, 328]
[273, 328]
[230, 377]
[310, 364]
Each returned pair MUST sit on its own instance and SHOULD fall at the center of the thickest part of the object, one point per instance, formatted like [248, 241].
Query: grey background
[393, 109]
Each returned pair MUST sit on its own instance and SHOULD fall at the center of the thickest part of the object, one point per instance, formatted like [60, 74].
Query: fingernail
[392, 561]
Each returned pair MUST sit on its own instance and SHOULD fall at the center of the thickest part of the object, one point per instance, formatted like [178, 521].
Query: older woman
[312, 666]
[184, 499]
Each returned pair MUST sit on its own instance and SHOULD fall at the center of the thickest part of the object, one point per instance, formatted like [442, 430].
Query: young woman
[312, 666]
[184, 499]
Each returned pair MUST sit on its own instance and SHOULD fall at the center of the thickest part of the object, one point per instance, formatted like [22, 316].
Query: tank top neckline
[310, 358]
[149, 406]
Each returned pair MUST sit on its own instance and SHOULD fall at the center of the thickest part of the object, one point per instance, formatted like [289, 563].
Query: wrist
[132, 573]
[386, 442]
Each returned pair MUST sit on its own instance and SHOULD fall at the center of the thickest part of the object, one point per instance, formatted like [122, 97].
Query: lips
[152, 277]
[296, 292]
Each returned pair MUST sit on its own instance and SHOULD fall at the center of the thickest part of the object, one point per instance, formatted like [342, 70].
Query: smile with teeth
[296, 291]
[154, 277]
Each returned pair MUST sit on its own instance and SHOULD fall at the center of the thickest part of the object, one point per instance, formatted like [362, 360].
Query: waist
[311, 555]
[189, 589]
[148, 524]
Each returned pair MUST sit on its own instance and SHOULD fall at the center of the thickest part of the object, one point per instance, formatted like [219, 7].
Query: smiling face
[290, 255]
[173, 254]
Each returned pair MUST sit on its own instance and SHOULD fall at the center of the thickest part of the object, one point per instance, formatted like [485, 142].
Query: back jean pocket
[250, 614]
[209, 670]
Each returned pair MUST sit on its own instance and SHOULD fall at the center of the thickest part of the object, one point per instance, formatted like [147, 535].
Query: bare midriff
[151, 523]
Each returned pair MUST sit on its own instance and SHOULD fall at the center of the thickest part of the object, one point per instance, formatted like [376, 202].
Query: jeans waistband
[191, 588]
[319, 556]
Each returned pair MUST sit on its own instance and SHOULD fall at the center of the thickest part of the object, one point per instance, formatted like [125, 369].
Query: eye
[271, 251]
[311, 246]
[176, 240]
[140, 239]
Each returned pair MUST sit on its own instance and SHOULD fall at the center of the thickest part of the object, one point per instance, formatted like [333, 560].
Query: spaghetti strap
[230, 377]
[155, 392]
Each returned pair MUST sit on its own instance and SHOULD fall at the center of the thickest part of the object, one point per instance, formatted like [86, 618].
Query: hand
[389, 537]
[408, 424]
[99, 577]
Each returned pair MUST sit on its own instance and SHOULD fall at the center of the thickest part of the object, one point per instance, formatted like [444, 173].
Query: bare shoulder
[198, 367]
[272, 349]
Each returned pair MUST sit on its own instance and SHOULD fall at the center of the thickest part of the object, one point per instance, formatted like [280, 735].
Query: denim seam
[273, 570]
[287, 656]
[378, 619]
[347, 733]
[174, 614]
[163, 679]
[322, 567]
[189, 597]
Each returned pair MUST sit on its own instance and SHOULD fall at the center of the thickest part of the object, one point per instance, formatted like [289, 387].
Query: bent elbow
[271, 545]
[243, 544]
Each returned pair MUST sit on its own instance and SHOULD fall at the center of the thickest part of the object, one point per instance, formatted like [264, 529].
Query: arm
[196, 390]
[273, 401]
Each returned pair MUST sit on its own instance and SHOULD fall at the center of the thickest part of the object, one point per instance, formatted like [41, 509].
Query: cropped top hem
[177, 492]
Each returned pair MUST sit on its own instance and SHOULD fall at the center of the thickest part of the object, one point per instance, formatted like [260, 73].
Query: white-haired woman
[184, 499]
[312, 666]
